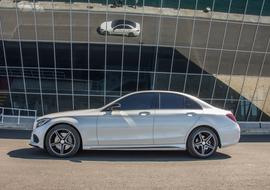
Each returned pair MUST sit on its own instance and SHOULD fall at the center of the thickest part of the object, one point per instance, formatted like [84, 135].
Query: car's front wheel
[62, 141]
[202, 142]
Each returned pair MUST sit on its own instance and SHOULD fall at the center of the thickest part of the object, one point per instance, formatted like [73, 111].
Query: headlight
[42, 122]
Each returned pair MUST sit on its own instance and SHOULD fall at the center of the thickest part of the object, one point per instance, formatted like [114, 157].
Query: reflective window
[177, 101]
[139, 101]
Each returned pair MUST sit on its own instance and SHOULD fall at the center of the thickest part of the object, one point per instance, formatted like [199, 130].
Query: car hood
[87, 112]
[106, 25]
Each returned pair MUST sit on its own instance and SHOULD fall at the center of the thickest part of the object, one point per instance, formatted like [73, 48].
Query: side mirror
[115, 106]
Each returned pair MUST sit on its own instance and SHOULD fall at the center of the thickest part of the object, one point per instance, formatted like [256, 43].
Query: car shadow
[116, 156]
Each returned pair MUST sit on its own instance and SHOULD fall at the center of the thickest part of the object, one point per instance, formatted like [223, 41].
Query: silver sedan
[147, 120]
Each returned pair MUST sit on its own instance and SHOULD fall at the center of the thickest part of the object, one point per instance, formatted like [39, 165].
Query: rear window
[177, 101]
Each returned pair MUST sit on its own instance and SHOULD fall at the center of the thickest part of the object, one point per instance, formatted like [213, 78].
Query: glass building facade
[53, 58]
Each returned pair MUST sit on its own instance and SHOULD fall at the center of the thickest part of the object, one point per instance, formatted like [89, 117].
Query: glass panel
[81, 102]
[247, 37]
[34, 103]
[48, 81]
[196, 61]
[62, 26]
[80, 55]
[162, 81]
[64, 82]
[19, 101]
[113, 83]
[184, 32]
[65, 103]
[49, 104]
[241, 63]
[207, 86]
[95, 21]
[129, 82]
[192, 84]
[114, 57]
[226, 62]
[232, 35]
[148, 58]
[216, 34]
[164, 59]
[200, 33]
[177, 82]
[80, 82]
[97, 56]
[29, 54]
[13, 53]
[96, 82]
[261, 42]
[63, 55]
[180, 60]
[150, 24]
[44, 25]
[167, 31]
[46, 54]
[96, 101]
[79, 27]
[212, 61]
[145, 81]
[5, 100]
[27, 25]
[131, 57]
[255, 64]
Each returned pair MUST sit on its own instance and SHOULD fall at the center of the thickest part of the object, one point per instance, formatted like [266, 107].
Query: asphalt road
[244, 166]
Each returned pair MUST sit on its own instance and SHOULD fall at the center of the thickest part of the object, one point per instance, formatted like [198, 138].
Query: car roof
[127, 22]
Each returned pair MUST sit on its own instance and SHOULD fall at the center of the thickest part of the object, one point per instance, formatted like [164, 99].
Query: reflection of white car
[147, 120]
[120, 27]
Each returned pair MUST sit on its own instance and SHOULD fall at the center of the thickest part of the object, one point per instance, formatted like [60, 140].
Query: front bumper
[37, 136]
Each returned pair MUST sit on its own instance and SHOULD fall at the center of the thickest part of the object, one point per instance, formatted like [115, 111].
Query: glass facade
[54, 58]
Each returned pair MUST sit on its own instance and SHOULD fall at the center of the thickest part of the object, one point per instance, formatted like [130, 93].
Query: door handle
[144, 113]
[191, 114]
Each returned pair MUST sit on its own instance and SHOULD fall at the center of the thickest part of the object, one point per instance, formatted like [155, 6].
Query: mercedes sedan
[120, 27]
[146, 120]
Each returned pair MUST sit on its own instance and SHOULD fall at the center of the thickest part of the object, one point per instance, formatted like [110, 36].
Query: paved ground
[245, 166]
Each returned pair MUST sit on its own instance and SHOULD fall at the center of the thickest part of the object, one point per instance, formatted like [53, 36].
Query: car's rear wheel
[62, 141]
[202, 142]
[131, 34]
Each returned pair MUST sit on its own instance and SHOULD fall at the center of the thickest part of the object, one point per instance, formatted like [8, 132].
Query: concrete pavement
[244, 166]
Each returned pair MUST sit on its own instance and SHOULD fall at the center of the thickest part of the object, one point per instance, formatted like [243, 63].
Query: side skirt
[146, 147]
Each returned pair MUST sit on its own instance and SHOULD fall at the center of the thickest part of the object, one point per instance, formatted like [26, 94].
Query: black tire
[62, 141]
[200, 148]
[131, 34]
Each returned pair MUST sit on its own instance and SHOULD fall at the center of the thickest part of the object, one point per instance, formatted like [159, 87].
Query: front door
[131, 124]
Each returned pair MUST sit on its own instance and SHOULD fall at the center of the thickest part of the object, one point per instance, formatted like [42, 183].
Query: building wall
[53, 58]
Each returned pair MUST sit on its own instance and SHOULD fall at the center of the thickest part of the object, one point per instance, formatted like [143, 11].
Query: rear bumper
[230, 135]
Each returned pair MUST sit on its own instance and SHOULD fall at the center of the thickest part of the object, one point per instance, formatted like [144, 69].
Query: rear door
[174, 118]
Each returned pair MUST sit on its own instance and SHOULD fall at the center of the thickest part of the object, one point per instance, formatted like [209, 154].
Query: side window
[191, 104]
[140, 101]
[119, 27]
[127, 27]
[176, 101]
[171, 101]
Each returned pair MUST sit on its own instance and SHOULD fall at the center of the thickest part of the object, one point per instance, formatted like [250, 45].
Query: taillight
[231, 116]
